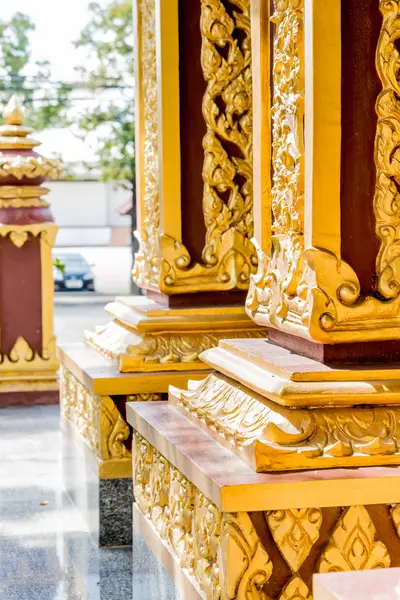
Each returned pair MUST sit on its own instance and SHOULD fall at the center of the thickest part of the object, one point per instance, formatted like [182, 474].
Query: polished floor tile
[46, 552]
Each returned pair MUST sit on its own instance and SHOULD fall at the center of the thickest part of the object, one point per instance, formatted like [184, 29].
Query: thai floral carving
[31, 167]
[353, 546]
[96, 418]
[228, 80]
[228, 256]
[395, 514]
[387, 152]
[159, 492]
[137, 351]
[241, 545]
[207, 530]
[182, 496]
[296, 589]
[114, 431]
[142, 462]
[147, 266]
[276, 285]
[271, 437]
[228, 557]
[295, 531]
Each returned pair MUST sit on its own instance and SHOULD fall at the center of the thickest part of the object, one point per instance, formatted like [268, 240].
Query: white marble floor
[46, 552]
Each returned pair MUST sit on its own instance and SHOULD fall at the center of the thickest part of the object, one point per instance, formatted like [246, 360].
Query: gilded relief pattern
[387, 152]
[295, 532]
[228, 256]
[138, 351]
[276, 285]
[226, 555]
[147, 265]
[273, 438]
[354, 545]
[96, 418]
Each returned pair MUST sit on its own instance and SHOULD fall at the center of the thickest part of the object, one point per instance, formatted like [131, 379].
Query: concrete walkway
[45, 550]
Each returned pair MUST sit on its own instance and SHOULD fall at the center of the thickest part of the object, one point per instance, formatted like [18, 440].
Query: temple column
[195, 224]
[28, 363]
[283, 466]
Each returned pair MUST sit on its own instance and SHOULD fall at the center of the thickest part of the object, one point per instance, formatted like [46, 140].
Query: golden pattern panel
[229, 556]
[295, 531]
[147, 264]
[354, 545]
[136, 351]
[274, 438]
[29, 166]
[229, 257]
[142, 462]
[204, 540]
[206, 534]
[387, 152]
[24, 358]
[96, 418]
[25, 196]
[241, 546]
[395, 514]
[296, 589]
[279, 277]
[182, 496]
[82, 409]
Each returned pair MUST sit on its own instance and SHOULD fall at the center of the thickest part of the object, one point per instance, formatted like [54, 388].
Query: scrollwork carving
[353, 546]
[271, 437]
[147, 265]
[295, 531]
[387, 152]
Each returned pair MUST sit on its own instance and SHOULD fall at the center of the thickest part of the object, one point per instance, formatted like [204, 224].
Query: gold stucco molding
[227, 555]
[275, 438]
[144, 336]
[99, 423]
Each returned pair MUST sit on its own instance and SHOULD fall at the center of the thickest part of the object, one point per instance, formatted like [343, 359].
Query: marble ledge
[234, 486]
[100, 377]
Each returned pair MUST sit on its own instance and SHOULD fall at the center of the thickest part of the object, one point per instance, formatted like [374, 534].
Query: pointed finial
[14, 111]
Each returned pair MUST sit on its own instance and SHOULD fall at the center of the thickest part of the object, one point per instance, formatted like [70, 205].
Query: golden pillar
[195, 224]
[269, 499]
[28, 363]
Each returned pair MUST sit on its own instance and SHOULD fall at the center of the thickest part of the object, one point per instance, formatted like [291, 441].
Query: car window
[74, 260]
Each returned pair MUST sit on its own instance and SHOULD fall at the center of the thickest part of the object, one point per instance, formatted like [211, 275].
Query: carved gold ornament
[387, 152]
[295, 532]
[220, 551]
[395, 514]
[147, 262]
[135, 351]
[228, 256]
[296, 589]
[227, 556]
[307, 291]
[30, 167]
[25, 196]
[99, 423]
[353, 546]
[275, 438]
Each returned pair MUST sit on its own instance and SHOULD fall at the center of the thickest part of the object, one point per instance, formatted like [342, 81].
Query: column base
[97, 453]
[222, 530]
[280, 411]
[147, 337]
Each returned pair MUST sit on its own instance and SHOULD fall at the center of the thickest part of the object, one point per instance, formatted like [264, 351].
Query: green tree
[107, 41]
[48, 102]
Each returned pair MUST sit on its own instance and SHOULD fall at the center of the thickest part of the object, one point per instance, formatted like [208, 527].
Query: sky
[58, 23]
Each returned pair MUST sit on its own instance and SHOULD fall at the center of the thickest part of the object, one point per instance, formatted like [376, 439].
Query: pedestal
[224, 531]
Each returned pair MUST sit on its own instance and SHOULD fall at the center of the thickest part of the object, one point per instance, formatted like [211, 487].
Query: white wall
[87, 213]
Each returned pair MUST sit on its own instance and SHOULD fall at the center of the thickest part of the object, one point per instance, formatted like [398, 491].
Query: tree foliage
[108, 42]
